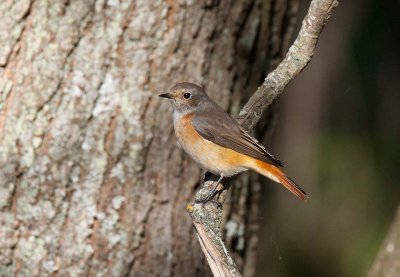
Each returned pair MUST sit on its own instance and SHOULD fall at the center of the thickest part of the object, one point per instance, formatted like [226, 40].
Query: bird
[217, 142]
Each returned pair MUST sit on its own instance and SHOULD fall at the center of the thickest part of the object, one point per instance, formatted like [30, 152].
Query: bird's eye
[187, 95]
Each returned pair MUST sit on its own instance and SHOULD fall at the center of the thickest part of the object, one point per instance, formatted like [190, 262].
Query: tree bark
[91, 179]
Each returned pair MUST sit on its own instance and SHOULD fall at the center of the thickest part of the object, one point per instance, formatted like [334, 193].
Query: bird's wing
[219, 127]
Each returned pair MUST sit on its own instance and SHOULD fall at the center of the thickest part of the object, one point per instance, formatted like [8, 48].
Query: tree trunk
[91, 179]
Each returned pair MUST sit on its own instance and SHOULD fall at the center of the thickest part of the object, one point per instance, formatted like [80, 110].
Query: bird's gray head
[185, 97]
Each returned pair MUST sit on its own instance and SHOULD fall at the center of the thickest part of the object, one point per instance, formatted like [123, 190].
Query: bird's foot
[211, 194]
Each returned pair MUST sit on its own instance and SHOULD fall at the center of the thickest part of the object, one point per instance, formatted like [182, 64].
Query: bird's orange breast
[207, 154]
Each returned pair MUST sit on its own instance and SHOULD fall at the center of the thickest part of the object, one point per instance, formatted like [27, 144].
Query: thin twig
[297, 58]
[207, 217]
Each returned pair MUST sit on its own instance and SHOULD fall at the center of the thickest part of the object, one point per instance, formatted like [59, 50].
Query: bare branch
[387, 261]
[298, 56]
[211, 250]
[207, 217]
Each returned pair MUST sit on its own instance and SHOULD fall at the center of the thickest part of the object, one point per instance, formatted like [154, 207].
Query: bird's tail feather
[275, 174]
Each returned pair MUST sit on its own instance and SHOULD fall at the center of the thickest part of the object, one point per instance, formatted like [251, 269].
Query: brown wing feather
[214, 124]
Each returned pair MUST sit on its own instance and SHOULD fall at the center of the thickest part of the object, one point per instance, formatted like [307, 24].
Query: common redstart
[217, 142]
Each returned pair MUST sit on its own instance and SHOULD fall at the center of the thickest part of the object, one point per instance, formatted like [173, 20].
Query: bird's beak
[166, 95]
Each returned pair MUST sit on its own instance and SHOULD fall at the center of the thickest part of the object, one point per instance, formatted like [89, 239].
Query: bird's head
[185, 96]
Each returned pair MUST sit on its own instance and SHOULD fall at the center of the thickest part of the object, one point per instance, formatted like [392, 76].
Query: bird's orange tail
[275, 174]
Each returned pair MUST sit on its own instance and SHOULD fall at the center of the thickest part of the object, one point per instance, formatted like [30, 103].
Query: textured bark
[91, 179]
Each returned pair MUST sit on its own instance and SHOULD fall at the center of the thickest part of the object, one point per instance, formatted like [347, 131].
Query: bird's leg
[213, 192]
[219, 180]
